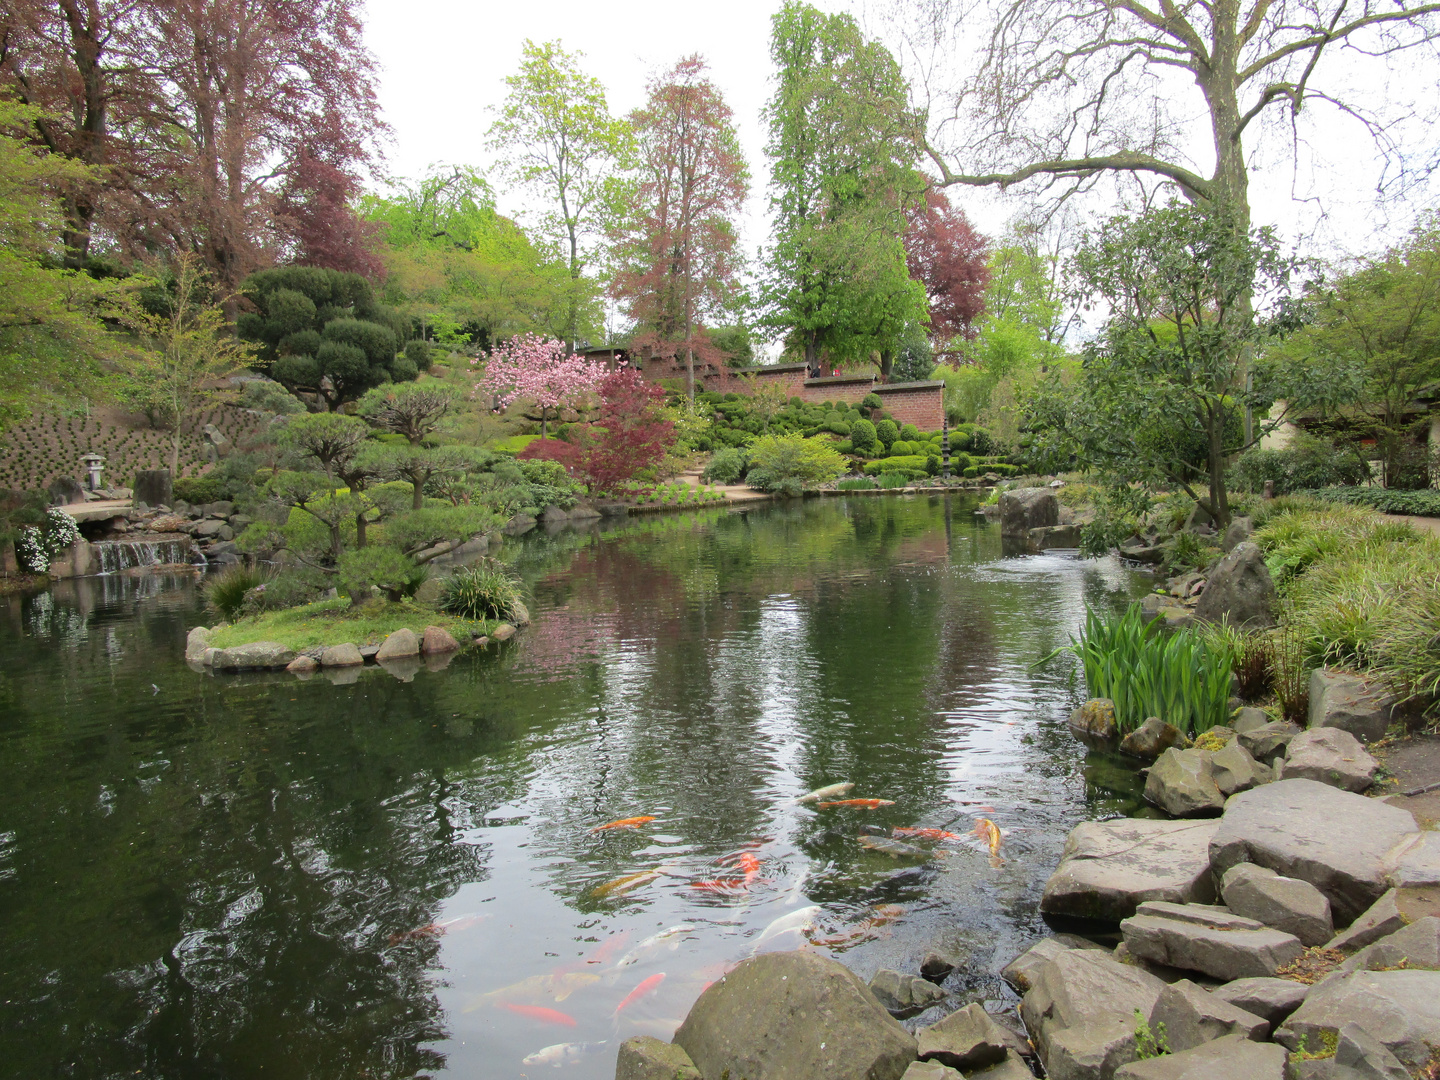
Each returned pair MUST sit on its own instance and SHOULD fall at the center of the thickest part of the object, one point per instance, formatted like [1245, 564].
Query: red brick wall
[790, 376]
[920, 404]
[852, 390]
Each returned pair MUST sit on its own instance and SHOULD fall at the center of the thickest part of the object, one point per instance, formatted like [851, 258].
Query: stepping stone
[967, 1039]
[1224, 953]
[1182, 783]
[1193, 1016]
[1231, 1058]
[1275, 825]
[1401, 1009]
[1270, 999]
[1282, 903]
[1108, 868]
[1330, 755]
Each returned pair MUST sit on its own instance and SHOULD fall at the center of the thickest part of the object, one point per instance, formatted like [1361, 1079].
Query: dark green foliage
[377, 567]
[726, 467]
[486, 590]
[1422, 503]
[910, 433]
[887, 433]
[932, 465]
[225, 591]
[1308, 462]
[289, 588]
[200, 489]
[418, 352]
[870, 403]
[862, 436]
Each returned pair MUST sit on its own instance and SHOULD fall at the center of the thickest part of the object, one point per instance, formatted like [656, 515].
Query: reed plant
[225, 591]
[485, 590]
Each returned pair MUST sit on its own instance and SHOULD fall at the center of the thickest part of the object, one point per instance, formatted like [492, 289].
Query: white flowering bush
[36, 548]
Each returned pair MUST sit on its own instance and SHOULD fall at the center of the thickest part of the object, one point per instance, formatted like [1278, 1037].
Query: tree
[410, 409]
[559, 140]
[946, 255]
[541, 371]
[842, 179]
[1164, 383]
[185, 348]
[331, 439]
[764, 400]
[416, 466]
[676, 245]
[786, 463]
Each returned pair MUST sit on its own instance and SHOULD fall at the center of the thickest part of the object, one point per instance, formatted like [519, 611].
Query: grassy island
[336, 621]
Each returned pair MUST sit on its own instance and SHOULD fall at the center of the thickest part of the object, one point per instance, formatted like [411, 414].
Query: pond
[257, 876]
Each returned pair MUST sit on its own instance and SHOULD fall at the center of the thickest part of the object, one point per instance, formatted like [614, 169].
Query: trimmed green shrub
[726, 466]
[887, 432]
[200, 489]
[910, 463]
[1424, 502]
[910, 433]
[862, 436]
[786, 463]
[418, 353]
[486, 590]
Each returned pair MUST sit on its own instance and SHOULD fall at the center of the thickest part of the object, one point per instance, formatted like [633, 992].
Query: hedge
[1422, 503]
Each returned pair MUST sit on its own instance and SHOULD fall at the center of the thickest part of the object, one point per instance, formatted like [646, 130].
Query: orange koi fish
[937, 835]
[624, 823]
[608, 948]
[649, 986]
[434, 930]
[987, 831]
[750, 866]
[621, 885]
[539, 1012]
[721, 885]
[863, 804]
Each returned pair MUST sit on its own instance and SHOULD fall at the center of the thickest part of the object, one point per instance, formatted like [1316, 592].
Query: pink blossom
[543, 370]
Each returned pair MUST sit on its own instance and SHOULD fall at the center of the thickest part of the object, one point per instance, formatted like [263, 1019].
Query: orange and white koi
[647, 987]
[625, 823]
[538, 1012]
[720, 885]
[670, 934]
[936, 835]
[989, 832]
[860, 804]
[622, 885]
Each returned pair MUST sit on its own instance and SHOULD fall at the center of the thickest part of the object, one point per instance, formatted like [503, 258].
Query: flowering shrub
[545, 371]
[36, 548]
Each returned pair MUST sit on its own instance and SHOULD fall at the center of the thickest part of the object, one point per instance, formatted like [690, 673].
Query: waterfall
[113, 556]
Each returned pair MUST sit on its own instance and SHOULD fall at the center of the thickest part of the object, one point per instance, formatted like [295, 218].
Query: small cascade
[114, 556]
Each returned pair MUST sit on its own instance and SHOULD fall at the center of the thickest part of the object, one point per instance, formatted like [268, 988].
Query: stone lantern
[93, 463]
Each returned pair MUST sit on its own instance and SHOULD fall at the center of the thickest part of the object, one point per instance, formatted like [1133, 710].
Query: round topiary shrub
[862, 436]
[887, 432]
[910, 433]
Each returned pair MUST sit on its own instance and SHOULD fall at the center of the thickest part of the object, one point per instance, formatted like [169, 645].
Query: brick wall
[847, 388]
[918, 403]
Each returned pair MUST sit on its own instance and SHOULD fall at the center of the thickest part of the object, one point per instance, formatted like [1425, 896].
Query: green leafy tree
[560, 141]
[417, 466]
[842, 178]
[410, 409]
[787, 463]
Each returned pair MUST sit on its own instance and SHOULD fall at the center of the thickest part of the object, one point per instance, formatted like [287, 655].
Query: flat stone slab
[1399, 1008]
[1215, 916]
[1222, 954]
[1109, 868]
[967, 1039]
[1021, 971]
[1415, 861]
[1231, 1058]
[258, 655]
[1416, 946]
[1193, 1016]
[1282, 826]
[1282, 903]
[1330, 755]
[1270, 999]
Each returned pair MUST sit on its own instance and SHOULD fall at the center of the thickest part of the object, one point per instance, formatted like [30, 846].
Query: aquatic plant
[486, 590]
[1252, 657]
[225, 591]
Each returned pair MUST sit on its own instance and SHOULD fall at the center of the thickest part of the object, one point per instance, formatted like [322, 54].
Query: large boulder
[1282, 903]
[1232, 1058]
[196, 643]
[1080, 1013]
[1208, 940]
[1330, 755]
[967, 1039]
[1235, 770]
[1267, 742]
[905, 995]
[398, 645]
[1053, 536]
[154, 487]
[1109, 868]
[345, 655]
[1399, 1008]
[1283, 826]
[647, 1058]
[1027, 508]
[794, 1016]
[1152, 738]
[1413, 946]
[1360, 706]
[1270, 999]
[1021, 971]
[1239, 590]
[1182, 784]
[256, 656]
[437, 640]
[1192, 1016]
[1096, 717]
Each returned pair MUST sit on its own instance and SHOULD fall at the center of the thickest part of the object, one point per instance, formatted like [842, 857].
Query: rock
[503, 632]
[346, 655]
[1382, 919]
[1215, 916]
[1163, 972]
[1414, 946]
[302, 665]
[520, 523]
[1225, 948]
[368, 652]
[553, 514]
[400, 644]
[582, 512]
[1239, 530]
[1012, 1068]
[1401, 1009]
[762, 1021]
[1239, 590]
[1192, 1016]
[930, 1070]
[166, 523]
[1080, 1012]
[1053, 536]
[256, 655]
[905, 995]
[220, 550]
[1152, 738]
[196, 642]
[1279, 826]
[1235, 770]
[1232, 1058]
[1282, 903]
[1182, 784]
[1249, 719]
[1268, 741]
[1415, 861]
[967, 1039]
[647, 1058]
[1338, 700]
[519, 614]
[1330, 755]
[1027, 508]
[1108, 868]
[239, 522]
[1020, 972]
[1357, 1049]
[430, 591]
[437, 640]
[221, 509]
[1096, 717]
[937, 965]
[154, 487]
[1270, 999]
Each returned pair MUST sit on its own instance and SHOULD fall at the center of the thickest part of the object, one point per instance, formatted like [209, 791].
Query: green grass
[333, 622]
[512, 444]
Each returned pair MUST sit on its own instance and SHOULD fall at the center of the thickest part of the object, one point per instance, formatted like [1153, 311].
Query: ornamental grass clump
[1178, 677]
[225, 591]
[486, 590]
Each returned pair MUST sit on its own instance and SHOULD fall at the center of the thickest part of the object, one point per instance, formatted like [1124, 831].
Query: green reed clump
[1252, 657]
[1178, 677]
[225, 591]
[486, 590]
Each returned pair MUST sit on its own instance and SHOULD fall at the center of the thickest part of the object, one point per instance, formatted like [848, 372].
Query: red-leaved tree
[542, 370]
[678, 264]
[632, 435]
[947, 256]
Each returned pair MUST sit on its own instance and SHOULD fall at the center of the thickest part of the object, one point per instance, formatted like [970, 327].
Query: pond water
[258, 876]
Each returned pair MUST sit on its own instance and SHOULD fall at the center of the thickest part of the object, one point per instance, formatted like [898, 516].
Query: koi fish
[823, 793]
[649, 986]
[555, 988]
[793, 923]
[562, 1054]
[720, 885]
[863, 804]
[624, 823]
[621, 885]
[750, 865]
[434, 930]
[990, 833]
[937, 835]
[896, 849]
[538, 1012]
[670, 934]
[608, 948]
[462, 922]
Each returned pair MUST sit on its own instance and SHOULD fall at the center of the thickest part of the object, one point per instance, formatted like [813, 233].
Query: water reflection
[219, 876]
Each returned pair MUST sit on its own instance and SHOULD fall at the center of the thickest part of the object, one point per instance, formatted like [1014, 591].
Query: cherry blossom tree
[632, 435]
[541, 370]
